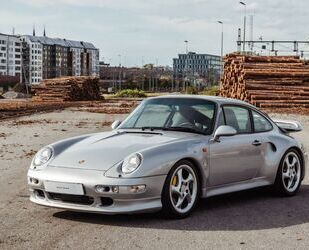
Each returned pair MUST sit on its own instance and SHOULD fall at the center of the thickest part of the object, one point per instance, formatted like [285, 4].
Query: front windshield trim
[143, 105]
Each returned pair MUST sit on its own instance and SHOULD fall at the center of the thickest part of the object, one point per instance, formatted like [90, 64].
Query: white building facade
[10, 55]
[45, 57]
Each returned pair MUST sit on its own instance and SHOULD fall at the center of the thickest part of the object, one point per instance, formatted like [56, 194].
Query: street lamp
[220, 22]
[186, 65]
[244, 38]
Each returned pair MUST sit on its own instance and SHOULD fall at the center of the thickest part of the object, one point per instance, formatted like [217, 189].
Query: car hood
[103, 150]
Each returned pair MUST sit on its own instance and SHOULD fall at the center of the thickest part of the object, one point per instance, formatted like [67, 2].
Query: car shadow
[248, 210]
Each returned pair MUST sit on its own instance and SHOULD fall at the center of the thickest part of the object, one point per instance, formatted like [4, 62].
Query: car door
[236, 158]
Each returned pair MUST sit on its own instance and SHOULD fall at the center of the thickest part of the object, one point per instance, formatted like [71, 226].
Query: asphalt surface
[252, 219]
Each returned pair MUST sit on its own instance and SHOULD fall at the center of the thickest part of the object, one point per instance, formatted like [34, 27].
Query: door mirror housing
[115, 124]
[224, 131]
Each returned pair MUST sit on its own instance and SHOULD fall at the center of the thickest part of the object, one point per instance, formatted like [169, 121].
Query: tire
[289, 174]
[181, 191]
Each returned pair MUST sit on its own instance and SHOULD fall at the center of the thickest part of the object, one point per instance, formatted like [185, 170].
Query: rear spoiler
[289, 126]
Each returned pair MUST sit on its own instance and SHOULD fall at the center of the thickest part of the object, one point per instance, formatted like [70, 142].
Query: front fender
[160, 159]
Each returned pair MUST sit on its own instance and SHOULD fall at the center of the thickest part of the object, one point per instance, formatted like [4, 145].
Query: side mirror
[115, 124]
[224, 131]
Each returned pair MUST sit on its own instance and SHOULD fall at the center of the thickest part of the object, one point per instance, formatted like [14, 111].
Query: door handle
[256, 143]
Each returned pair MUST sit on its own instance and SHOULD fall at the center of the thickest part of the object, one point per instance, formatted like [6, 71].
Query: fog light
[106, 189]
[33, 181]
[115, 189]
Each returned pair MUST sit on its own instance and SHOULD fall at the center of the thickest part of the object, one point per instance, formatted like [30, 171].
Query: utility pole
[239, 40]
[244, 37]
[119, 71]
[251, 33]
[220, 22]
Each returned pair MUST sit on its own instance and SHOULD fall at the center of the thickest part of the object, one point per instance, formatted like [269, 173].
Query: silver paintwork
[289, 126]
[224, 131]
[232, 163]
[115, 124]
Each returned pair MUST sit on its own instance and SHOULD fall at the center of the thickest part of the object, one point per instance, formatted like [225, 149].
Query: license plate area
[64, 188]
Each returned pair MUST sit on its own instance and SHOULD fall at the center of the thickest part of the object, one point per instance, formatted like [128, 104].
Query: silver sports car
[168, 153]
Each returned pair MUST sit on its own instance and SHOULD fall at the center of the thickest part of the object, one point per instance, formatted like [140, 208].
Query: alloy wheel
[291, 171]
[183, 189]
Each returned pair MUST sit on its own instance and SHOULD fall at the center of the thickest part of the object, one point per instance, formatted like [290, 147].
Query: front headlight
[131, 163]
[43, 156]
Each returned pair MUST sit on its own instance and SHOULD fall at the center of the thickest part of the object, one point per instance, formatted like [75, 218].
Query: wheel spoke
[180, 178]
[290, 182]
[188, 197]
[176, 190]
[294, 161]
[180, 201]
[189, 178]
[286, 174]
[287, 163]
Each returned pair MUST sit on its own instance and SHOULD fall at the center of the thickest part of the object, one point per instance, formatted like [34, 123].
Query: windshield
[179, 114]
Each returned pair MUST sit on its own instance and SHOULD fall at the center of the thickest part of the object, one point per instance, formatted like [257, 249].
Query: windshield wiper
[184, 129]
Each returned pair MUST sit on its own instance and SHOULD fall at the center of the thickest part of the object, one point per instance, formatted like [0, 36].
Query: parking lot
[251, 219]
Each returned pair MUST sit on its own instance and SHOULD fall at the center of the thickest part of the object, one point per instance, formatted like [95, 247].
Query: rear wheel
[181, 190]
[289, 174]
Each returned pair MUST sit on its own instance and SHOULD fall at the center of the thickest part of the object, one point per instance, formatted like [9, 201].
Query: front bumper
[147, 201]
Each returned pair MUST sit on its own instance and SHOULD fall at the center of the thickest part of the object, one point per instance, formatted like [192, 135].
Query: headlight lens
[43, 156]
[131, 163]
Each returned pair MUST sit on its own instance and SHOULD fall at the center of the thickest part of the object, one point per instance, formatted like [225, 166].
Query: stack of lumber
[268, 82]
[82, 88]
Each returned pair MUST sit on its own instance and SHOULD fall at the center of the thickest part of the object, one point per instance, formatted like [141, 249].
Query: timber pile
[81, 88]
[268, 82]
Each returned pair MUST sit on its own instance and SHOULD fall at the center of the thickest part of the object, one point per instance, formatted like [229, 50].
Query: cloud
[147, 28]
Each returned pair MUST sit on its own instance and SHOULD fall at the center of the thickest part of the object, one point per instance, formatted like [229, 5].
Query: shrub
[214, 90]
[192, 90]
[131, 93]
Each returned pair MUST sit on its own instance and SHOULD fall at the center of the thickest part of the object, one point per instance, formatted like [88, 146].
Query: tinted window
[261, 124]
[238, 118]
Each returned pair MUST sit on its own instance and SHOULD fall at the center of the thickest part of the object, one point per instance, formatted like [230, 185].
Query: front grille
[76, 199]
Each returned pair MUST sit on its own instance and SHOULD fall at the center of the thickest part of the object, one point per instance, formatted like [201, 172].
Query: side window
[238, 118]
[261, 124]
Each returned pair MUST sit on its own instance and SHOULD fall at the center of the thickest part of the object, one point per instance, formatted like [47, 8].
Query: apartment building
[45, 57]
[10, 55]
[197, 65]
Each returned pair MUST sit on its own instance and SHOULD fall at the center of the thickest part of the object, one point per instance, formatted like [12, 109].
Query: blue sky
[150, 31]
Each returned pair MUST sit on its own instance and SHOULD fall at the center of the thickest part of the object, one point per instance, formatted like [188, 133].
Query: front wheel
[289, 174]
[181, 190]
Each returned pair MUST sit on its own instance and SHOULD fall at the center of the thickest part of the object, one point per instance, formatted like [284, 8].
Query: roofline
[17, 36]
[64, 40]
[218, 99]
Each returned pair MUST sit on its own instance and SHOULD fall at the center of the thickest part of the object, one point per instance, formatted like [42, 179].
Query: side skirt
[234, 187]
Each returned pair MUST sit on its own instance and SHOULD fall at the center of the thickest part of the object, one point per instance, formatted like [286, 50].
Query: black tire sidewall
[168, 209]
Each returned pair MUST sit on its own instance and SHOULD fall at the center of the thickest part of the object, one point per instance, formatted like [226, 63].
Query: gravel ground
[251, 219]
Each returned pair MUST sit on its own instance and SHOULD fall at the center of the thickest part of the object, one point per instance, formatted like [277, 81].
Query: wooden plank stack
[82, 88]
[269, 82]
